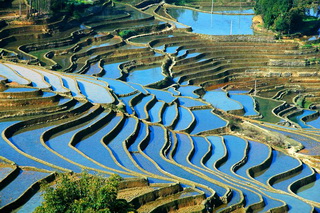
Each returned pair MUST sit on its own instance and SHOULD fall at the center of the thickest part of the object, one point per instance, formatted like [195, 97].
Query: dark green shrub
[127, 33]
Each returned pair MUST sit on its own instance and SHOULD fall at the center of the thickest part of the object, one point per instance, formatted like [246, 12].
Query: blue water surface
[146, 76]
[213, 24]
[219, 99]
[206, 120]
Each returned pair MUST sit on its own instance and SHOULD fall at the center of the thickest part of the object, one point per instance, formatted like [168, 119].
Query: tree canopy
[177, 2]
[83, 193]
[5, 3]
[282, 15]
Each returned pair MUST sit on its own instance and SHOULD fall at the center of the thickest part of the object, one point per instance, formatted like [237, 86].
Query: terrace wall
[264, 165]
[153, 195]
[173, 39]
[12, 129]
[311, 117]
[77, 137]
[30, 101]
[54, 44]
[302, 182]
[239, 38]
[115, 131]
[34, 188]
[145, 3]
[11, 176]
[34, 111]
[131, 183]
[20, 95]
[180, 203]
[283, 175]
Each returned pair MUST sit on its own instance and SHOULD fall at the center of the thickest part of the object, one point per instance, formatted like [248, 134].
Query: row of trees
[41, 6]
[284, 16]
[38, 7]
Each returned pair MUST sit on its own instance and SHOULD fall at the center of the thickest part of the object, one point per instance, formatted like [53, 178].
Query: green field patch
[265, 107]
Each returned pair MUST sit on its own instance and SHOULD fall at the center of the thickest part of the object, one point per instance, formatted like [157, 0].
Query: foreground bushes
[83, 193]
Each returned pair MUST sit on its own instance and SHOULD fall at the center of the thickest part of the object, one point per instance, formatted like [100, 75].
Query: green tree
[282, 15]
[83, 193]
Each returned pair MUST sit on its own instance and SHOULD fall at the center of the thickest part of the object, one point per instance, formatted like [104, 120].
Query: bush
[307, 46]
[127, 33]
[83, 193]
[280, 24]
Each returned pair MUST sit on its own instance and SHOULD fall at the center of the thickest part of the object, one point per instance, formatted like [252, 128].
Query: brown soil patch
[13, 84]
[22, 22]
[258, 25]
[217, 86]
[257, 19]
[304, 151]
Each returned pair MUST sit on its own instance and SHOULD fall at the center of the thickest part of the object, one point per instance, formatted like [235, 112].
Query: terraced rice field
[193, 122]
